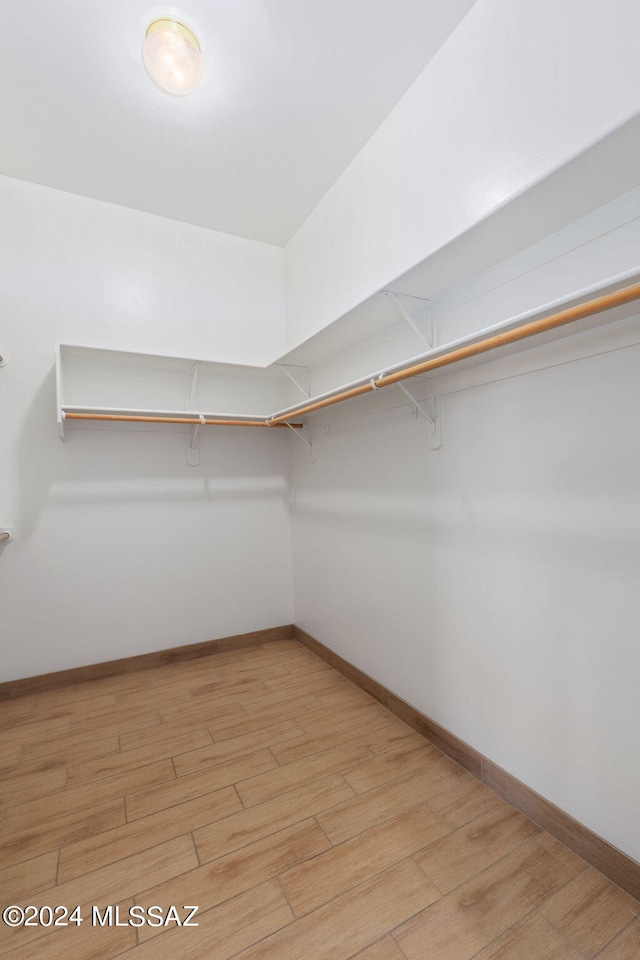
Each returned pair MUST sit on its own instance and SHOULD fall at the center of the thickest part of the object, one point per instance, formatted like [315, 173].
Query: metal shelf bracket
[192, 399]
[431, 414]
[298, 434]
[193, 449]
[305, 385]
[408, 319]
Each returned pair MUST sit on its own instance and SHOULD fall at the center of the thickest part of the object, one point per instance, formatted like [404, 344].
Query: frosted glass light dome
[172, 56]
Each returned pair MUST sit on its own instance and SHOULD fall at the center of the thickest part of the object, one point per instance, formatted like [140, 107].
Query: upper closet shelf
[95, 384]
[580, 311]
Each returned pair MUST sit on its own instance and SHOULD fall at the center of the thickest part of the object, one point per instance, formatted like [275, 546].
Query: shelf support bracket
[193, 450]
[298, 434]
[306, 389]
[192, 400]
[434, 438]
[408, 319]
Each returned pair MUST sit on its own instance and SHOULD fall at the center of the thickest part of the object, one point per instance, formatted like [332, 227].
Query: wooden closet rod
[194, 420]
[490, 342]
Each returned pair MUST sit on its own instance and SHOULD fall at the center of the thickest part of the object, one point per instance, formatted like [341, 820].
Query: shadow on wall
[577, 532]
[40, 462]
[105, 463]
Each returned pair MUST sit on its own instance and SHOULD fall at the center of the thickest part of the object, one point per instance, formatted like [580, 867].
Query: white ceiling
[293, 89]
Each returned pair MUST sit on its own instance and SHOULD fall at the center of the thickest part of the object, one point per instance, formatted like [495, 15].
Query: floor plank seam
[319, 826]
[397, 945]
[242, 806]
[286, 898]
[430, 878]
[617, 937]
[574, 946]
[195, 848]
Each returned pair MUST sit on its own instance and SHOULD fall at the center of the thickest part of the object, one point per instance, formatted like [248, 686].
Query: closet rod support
[417, 404]
[193, 450]
[299, 435]
[434, 437]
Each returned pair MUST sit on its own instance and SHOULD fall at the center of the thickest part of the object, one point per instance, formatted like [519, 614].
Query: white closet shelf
[96, 384]
[560, 318]
[147, 412]
[92, 374]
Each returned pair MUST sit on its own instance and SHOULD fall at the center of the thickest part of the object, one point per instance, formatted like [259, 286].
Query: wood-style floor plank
[19, 790]
[462, 923]
[50, 834]
[230, 728]
[365, 810]
[385, 949]
[219, 838]
[306, 746]
[389, 766]
[568, 857]
[158, 733]
[96, 851]
[29, 876]
[321, 721]
[131, 759]
[626, 946]
[466, 800]
[302, 818]
[590, 912]
[32, 729]
[272, 784]
[109, 885]
[355, 920]
[471, 849]
[73, 749]
[213, 753]
[338, 870]
[231, 875]
[234, 925]
[533, 939]
[87, 795]
[180, 790]
[84, 942]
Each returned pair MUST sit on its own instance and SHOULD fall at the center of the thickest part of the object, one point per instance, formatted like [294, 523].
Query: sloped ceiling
[293, 89]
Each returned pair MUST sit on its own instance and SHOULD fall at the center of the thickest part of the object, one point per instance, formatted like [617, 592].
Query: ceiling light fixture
[171, 54]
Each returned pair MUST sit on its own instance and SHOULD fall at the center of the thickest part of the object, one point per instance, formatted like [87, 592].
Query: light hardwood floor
[302, 818]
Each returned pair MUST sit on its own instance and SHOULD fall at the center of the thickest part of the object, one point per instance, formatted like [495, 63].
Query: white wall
[493, 583]
[518, 90]
[120, 547]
